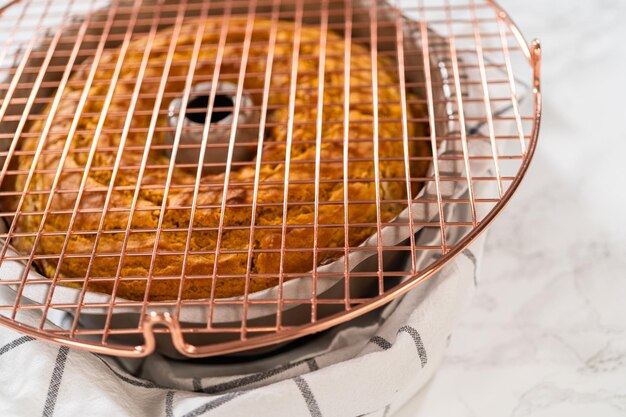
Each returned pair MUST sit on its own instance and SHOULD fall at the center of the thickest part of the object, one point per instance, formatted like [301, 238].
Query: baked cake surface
[164, 262]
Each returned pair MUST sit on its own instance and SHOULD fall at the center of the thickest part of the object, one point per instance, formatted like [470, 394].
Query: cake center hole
[197, 106]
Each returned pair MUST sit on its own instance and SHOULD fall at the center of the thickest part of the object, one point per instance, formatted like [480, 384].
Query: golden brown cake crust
[232, 263]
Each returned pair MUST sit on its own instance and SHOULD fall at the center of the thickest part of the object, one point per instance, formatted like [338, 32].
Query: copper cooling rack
[464, 61]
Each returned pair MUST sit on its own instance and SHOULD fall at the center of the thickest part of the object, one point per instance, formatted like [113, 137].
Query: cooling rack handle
[153, 319]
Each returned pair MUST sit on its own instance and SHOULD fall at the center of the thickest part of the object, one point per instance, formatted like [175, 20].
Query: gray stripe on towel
[249, 379]
[312, 363]
[309, 398]
[419, 345]
[17, 342]
[55, 381]
[197, 384]
[169, 404]
[381, 342]
[214, 404]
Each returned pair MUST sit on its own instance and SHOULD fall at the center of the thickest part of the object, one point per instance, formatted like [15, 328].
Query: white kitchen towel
[370, 367]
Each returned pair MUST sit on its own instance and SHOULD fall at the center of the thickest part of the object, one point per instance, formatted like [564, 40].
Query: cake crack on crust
[233, 256]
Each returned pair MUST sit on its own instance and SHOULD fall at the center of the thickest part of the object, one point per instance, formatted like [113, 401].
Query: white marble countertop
[545, 334]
